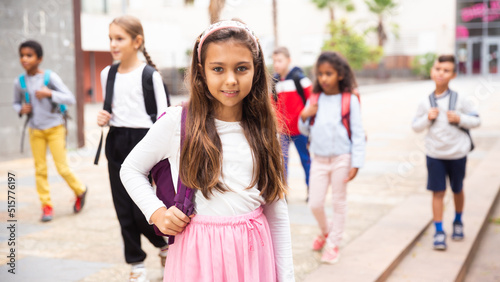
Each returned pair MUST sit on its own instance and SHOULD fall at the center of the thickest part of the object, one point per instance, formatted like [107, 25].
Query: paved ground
[88, 246]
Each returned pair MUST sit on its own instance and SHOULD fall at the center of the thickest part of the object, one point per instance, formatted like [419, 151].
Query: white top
[328, 134]
[128, 105]
[163, 141]
[444, 140]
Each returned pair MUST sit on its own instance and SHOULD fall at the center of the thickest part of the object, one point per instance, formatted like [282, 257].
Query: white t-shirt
[128, 108]
[163, 141]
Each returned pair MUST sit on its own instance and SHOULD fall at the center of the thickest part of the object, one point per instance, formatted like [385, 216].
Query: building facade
[478, 36]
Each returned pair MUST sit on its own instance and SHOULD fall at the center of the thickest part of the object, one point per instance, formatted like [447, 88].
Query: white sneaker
[138, 274]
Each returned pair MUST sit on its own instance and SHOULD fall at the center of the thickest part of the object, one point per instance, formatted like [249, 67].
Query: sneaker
[163, 260]
[458, 231]
[46, 213]
[319, 242]
[440, 241]
[163, 255]
[138, 274]
[330, 255]
[80, 201]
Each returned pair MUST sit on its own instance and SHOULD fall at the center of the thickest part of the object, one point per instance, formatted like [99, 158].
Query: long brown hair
[133, 27]
[201, 155]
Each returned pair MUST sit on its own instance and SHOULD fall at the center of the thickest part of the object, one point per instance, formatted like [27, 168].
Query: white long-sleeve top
[329, 136]
[163, 141]
[128, 105]
[444, 140]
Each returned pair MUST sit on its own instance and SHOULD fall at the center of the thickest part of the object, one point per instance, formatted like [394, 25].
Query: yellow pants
[55, 139]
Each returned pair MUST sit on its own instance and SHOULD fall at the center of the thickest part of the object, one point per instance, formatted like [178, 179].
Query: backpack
[60, 108]
[346, 109]
[296, 80]
[452, 106]
[147, 90]
[165, 191]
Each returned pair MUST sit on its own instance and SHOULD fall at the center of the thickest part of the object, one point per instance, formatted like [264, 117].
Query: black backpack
[147, 90]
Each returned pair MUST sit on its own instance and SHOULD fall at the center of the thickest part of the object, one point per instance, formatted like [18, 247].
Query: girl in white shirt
[231, 157]
[129, 122]
[337, 143]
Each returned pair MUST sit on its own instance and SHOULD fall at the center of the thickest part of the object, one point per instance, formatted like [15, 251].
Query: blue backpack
[60, 108]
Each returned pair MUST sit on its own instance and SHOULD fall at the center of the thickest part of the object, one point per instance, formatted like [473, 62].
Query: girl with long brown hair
[231, 157]
[129, 121]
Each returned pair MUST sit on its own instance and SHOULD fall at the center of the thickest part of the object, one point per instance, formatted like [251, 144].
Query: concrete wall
[51, 23]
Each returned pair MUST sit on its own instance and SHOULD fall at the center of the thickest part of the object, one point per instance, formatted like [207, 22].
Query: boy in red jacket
[292, 91]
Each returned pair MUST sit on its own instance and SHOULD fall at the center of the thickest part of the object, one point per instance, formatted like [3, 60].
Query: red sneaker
[46, 213]
[319, 242]
[80, 201]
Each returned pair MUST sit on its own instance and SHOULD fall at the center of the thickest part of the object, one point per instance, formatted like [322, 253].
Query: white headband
[221, 25]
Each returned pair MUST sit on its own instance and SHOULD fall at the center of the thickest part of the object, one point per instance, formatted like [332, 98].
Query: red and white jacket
[289, 102]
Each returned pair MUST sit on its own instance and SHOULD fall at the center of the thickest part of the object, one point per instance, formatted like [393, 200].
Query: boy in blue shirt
[32, 97]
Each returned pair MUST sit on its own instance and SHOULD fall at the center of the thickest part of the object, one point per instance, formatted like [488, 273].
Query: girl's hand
[44, 92]
[433, 113]
[171, 221]
[351, 175]
[25, 109]
[103, 117]
[308, 112]
[453, 117]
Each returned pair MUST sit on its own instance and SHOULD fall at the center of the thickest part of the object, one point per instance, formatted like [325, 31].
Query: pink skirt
[223, 248]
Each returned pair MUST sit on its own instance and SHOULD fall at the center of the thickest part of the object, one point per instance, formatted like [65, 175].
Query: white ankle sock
[138, 265]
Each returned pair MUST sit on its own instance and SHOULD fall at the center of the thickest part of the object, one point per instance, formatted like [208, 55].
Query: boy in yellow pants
[38, 95]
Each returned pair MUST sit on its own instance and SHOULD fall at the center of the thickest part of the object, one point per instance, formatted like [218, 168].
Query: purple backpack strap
[165, 191]
[184, 197]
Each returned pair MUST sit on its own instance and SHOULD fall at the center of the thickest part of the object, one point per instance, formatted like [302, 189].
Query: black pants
[119, 142]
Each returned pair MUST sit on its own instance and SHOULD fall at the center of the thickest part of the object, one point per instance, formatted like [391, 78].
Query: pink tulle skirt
[223, 248]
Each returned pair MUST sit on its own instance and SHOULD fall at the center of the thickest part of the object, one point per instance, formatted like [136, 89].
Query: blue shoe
[440, 241]
[458, 231]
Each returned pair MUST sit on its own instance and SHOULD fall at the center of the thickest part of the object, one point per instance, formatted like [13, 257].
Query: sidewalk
[88, 246]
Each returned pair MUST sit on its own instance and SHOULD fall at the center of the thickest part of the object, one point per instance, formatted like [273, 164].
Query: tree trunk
[275, 23]
[215, 9]
[382, 36]
[332, 13]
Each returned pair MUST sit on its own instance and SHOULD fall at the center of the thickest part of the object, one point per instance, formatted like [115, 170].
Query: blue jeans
[300, 142]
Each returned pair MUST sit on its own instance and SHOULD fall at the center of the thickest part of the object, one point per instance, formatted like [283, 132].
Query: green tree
[331, 5]
[382, 8]
[421, 65]
[344, 40]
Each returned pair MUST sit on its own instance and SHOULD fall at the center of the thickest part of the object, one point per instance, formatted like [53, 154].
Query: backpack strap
[168, 95]
[149, 92]
[432, 100]
[346, 112]
[184, 197]
[453, 100]
[452, 107]
[313, 99]
[110, 84]
[296, 80]
[22, 83]
[46, 77]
